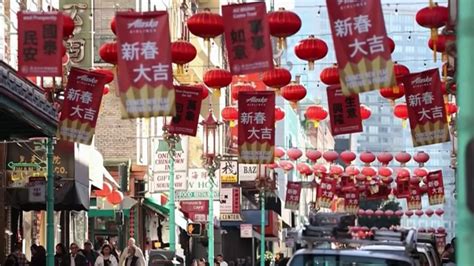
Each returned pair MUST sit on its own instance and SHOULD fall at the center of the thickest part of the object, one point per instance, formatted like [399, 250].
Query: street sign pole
[50, 203]
[262, 227]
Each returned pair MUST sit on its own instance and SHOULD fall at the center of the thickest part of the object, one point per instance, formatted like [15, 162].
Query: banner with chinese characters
[229, 171]
[361, 44]
[344, 112]
[40, 43]
[325, 192]
[403, 188]
[414, 200]
[145, 77]
[230, 204]
[82, 99]
[188, 107]
[351, 201]
[293, 193]
[426, 108]
[256, 127]
[435, 187]
[247, 38]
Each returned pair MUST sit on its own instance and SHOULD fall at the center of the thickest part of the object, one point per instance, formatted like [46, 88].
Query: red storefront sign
[361, 44]
[351, 201]
[247, 38]
[195, 206]
[40, 43]
[256, 127]
[414, 200]
[145, 76]
[435, 187]
[426, 109]
[293, 192]
[82, 99]
[325, 192]
[188, 107]
[344, 112]
[403, 189]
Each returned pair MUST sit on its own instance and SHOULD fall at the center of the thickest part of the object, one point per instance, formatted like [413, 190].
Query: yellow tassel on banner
[315, 123]
[434, 37]
[217, 92]
[232, 123]
[180, 69]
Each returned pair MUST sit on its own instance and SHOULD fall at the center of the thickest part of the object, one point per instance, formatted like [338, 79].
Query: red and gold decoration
[344, 112]
[293, 192]
[293, 93]
[401, 111]
[313, 155]
[294, 154]
[279, 114]
[277, 78]
[239, 87]
[433, 17]
[217, 78]
[182, 52]
[188, 102]
[311, 49]
[326, 192]
[109, 52]
[365, 112]
[316, 114]
[330, 75]
[206, 24]
[283, 23]
[435, 187]
[230, 114]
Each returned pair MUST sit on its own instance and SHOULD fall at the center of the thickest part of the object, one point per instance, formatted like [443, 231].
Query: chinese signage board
[40, 41]
[426, 108]
[414, 200]
[351, 201]
[256, 127]
[325, 192]
[198, 186]
[37, 189]
[344, 112]
[83, 96]
[293, 192]
[361, 44]
[246, 230]
[247, 38]
[229, 171]
[160, 179]
[188, 106]
[435, 187]
[145, 77]
[230, 204]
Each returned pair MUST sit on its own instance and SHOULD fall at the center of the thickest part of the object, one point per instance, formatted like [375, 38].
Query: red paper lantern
[419, 213]
[389, 213]
[352, 170]
[315, 114]
[336, 170]
[421, 158]
[182, 52]
[379, 213]
[441, 42]
[385, 171]
[391, 44]
[393, 93]
[230, 114]
[313, 155]
[68, 26]
[400, 70]
[319, 169]
[236, 88]
[282, 24]
[403, 173]
[369, 212]
[204, 90]
[360, 212]
[206, 24]
[279, 114]
[217, 78]
[429, 212]
[113, 25]
[115, 197]
[347, 157]
[330, 156]
[109, 75]
[409, 213]
[108, 52]
[451, 108]
[303, 169]
[385, 158]
[105, 191]
[106, 90]
[294, 153]
[420, 172]
[311, 49]
[367, 157]
[439, 211]
[276, 78]
[403, 157]
[272, 165]
[451, 89]
[365, 112]
[279, 152]
[369, 172]
[330, 75]
[293, 93]
[286, 166]
[432, 17]
[399, 213]
[401, 111]
[441, 230]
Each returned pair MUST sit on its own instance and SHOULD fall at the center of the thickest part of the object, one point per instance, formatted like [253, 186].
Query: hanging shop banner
[229, 171]
[414, 200]
[199, 186]
[351, 201]
[344, 112]
[188, 106]
[361, 44]
[293, 193]
[40, 43]
[325, 192]
[256, 127]
[426, 108]
[230, 204]
[403, 188]
[435, 187]
[145, 76]
[82, 99]
[247, 38]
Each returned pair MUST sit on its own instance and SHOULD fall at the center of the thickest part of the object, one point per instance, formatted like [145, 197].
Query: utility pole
[50, 203]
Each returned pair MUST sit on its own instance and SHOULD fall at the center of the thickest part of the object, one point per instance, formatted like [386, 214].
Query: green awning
[154, 205]
[106, 213]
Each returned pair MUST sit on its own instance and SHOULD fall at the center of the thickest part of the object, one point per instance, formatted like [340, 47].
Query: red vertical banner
[351, 200]
[188, 106]
[40, 43]
[247, 38]
[293, 193]
[426, 108]
[414, 200]
[325, 192]
[256, 127]
[145, 76]
[82, 99]
[435, 187]
[361, 44]
[403, 189]
[344, 112]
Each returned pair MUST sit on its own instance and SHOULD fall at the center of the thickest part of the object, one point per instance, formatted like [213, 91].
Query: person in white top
[138, 252]
[106, 258]
[220, 260]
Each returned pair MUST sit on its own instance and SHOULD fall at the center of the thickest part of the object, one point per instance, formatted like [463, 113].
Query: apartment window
[385, 120]
[373, 130]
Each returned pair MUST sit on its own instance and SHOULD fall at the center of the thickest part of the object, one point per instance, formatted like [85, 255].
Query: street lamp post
[49, 203]
[264, 183]
[211, 161]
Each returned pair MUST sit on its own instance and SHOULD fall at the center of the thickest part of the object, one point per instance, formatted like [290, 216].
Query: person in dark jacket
[76, 258]
[61, 258]
[132, 258]
[39, 257]
[90, 254]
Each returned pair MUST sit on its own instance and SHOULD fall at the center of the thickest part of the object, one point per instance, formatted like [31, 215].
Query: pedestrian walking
[21, 258]
[106, 258]
[132, 258]
[138, 253]
[90, 254]
[39, 256]
[221, 261]
[61, 258]
[76, 258]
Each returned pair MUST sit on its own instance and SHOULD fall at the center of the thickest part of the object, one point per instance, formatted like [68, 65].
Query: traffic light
[194, 229]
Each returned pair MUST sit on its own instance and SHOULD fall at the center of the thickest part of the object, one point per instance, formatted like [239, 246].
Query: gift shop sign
[198, 186]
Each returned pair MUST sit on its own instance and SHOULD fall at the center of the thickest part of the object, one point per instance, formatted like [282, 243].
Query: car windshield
[343, 260]
[419, 257]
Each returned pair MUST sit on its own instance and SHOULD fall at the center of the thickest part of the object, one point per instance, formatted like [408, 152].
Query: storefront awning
[155, 205]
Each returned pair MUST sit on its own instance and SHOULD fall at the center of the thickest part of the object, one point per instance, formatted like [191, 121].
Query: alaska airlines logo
[260, 100]
[143, 24]
[420, 80]
[87, 79]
